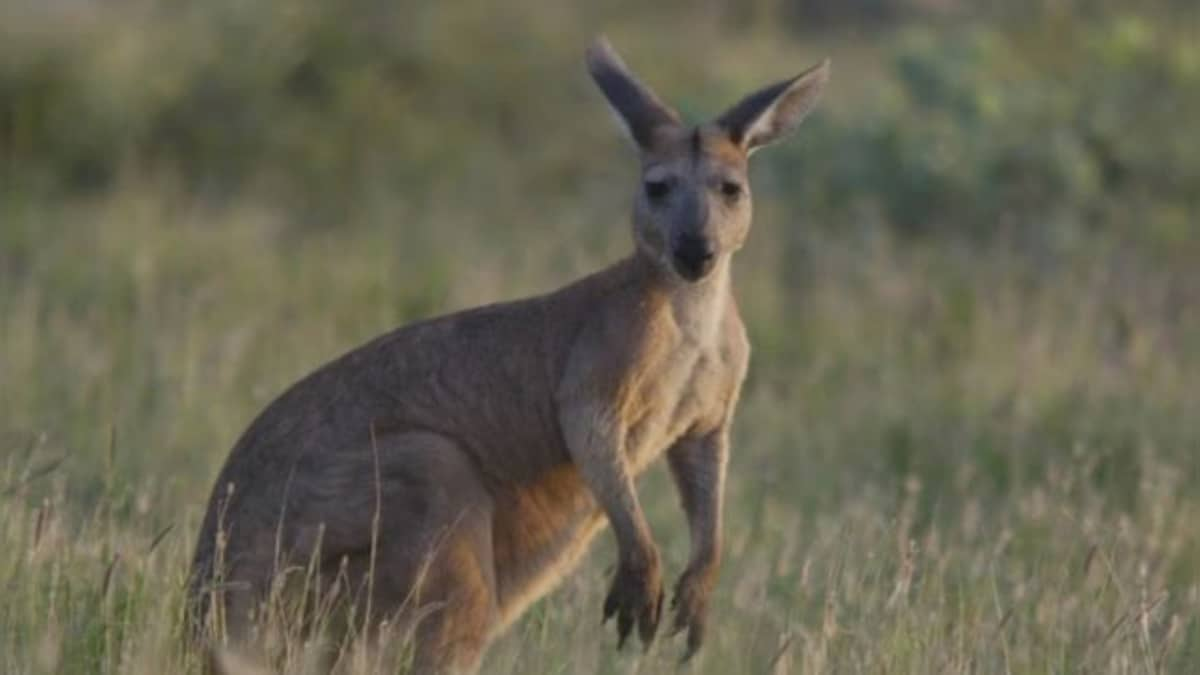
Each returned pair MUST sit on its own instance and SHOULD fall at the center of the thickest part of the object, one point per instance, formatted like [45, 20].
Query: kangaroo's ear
[637, 108]
[773, 112]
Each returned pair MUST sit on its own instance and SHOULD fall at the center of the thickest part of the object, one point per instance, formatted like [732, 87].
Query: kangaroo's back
[483, 376]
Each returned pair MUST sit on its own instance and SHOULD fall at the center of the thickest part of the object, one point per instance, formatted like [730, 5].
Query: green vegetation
[970, 441]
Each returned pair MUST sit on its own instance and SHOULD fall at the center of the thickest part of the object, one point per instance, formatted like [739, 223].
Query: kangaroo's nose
[693, 255]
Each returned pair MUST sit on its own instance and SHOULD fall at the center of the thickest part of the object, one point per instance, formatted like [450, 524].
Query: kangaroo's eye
[731, 189]
[657, 189]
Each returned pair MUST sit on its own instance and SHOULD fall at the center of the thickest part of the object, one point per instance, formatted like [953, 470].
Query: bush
[985, 133]
[1046, 132]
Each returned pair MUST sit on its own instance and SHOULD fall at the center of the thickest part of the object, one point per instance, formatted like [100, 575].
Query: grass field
[954, 453]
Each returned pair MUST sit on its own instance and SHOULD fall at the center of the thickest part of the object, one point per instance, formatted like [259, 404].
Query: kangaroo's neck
[696, 307]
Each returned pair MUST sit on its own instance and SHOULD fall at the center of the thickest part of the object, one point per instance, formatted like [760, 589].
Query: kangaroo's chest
[686, 385]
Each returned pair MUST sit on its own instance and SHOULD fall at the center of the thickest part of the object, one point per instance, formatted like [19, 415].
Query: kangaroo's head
[693, 207]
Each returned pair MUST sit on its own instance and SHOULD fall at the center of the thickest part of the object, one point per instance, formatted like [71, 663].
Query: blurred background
[970, 439]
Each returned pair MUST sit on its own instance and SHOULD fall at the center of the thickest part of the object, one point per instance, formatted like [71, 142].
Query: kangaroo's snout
[693, 256]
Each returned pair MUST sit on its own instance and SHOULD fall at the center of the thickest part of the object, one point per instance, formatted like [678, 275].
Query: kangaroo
[451, 472]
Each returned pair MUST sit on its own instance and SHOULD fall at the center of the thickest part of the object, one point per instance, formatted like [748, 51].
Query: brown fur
[493, 444]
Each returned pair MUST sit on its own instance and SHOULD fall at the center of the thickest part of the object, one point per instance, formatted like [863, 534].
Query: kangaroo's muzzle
[693, 256]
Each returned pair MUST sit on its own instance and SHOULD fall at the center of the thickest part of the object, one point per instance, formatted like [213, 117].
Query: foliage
[1055, 131]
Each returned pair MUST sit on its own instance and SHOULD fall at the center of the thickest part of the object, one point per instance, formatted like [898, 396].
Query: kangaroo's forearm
[596, 445]
[614, 491]
[698, 467]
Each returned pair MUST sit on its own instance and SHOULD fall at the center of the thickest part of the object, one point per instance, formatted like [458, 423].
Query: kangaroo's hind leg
[427, 566]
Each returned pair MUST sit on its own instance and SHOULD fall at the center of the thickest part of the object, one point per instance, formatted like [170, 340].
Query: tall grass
[941, 463]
